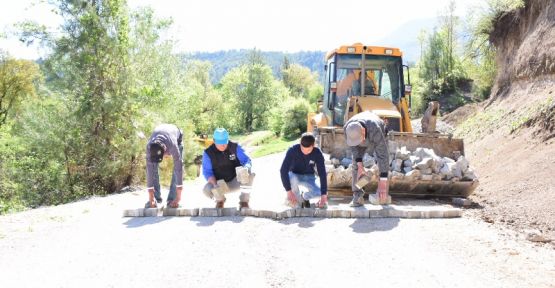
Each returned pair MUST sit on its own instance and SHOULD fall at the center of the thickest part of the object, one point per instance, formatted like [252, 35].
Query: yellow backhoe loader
[367, 78]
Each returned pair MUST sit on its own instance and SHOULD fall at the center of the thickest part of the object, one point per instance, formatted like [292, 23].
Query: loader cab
[356, 82]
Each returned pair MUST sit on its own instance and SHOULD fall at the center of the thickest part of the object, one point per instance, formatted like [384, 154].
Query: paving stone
[341, 213]
[395, 213]
[231, 211]
[452, 213]
[323, 213]
[289, 213]
[246, 212]
[306, 212]
[210, 212]
[360, 212]
[191, 212]
[414, 214]
[377, 213]
[151, 212]
[436, 214]
[134, 212]
[266, 214]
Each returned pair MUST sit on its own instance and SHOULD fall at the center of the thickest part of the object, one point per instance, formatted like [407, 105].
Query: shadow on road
[209, 221]
[362, 225]
[136, 222]
[302, 222]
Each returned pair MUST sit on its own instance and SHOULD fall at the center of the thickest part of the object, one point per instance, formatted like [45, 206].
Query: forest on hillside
[223, 61]
[76, 123]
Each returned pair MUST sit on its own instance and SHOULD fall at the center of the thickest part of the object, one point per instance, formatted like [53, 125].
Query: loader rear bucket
[332, 141]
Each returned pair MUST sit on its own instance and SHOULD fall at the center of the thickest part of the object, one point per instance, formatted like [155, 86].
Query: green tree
[90, 63]
[18, 79]
[299, 80]
[248, 89]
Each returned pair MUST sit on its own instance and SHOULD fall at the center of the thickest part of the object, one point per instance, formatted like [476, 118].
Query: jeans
[172, 192]
[304, 186]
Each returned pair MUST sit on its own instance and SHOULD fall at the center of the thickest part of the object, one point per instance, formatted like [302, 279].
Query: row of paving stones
[341, 211]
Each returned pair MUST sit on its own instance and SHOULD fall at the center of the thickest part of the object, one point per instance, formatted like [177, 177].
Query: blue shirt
[207, 164]
[298, 163]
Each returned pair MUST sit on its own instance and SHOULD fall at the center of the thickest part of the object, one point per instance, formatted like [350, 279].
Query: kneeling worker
[297, 173]
[219, 162]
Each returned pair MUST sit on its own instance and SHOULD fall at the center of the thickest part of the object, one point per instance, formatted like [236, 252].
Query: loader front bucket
[332, 141]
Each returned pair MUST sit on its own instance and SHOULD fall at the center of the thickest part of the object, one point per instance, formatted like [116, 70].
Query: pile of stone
[421, 164]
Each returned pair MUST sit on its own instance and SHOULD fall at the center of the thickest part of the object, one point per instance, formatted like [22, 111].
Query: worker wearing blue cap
[219, 162]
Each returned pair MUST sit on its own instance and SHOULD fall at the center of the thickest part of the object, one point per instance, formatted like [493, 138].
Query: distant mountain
[223, 61]
[405, 37]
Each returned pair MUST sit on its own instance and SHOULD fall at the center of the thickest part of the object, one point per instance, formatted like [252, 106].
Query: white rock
[368, 161]
[463, 164]
[414, 174]
[445, 171]
[396, 165]
[402, 153]
[536, 236]
[424, 164]
[470, 174]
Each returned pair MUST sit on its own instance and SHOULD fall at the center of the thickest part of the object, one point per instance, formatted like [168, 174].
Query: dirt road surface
[90, 244]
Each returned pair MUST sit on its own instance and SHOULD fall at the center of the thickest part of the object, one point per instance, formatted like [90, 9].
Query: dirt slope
[510, 138]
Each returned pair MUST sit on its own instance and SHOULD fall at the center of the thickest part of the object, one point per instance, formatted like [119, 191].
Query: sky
[283, 25]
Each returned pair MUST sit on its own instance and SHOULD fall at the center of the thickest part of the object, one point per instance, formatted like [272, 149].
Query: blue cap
[221, 136]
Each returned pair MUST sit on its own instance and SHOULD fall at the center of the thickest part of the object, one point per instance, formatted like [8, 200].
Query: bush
[295, 118]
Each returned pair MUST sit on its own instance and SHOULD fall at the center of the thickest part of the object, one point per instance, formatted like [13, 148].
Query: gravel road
[88, 243]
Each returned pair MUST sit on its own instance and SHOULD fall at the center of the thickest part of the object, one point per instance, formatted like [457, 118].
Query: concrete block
[360, 212]
[323, 213]
[210, 212]
[134, 212]
[231, 211]
[222, 187]
[151, 212]
[242, 175]
[290, 213]
[168, 211]
[436, 213]
[377, 213]
[462, 202]
[452, 213]
[341, 213]
[306, 212]
[267, 214]
[395, 213]
[414, 214]
[246, 212]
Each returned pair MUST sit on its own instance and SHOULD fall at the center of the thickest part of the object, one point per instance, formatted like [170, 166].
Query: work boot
[357, 199]
[220, 204]
[243, 205]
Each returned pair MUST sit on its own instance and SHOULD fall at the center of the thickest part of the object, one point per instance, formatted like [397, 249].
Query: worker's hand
[361, 170]
[323, 201]
[292, 198]
[175, 203]
[383, 189]
[151, 198]
[212, 180]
